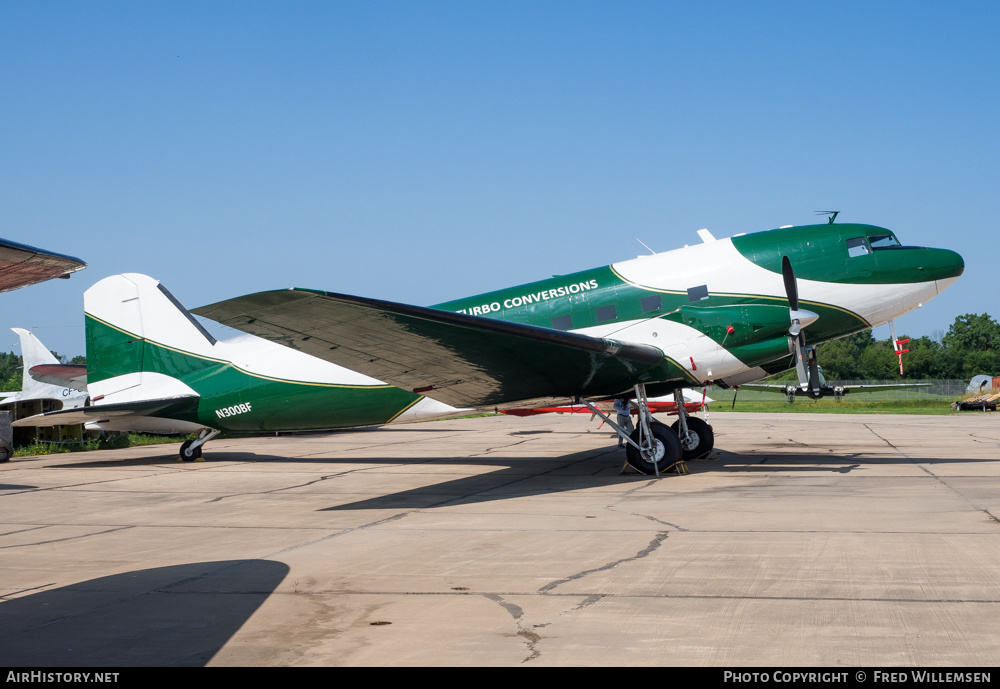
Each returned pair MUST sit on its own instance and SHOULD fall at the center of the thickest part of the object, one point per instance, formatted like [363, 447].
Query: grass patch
[112, 442]
[828, 405]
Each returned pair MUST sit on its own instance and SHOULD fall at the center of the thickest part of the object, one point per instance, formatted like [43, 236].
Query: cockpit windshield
[882, 241]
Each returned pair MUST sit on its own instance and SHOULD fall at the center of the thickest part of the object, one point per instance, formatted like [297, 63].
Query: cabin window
[698, 293]
[606, 313]
[857, 246]
[562, 322]
[653, 303]
[882, 241]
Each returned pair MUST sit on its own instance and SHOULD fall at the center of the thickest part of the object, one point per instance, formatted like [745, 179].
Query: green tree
[10, 372]
[976, 363]
[973, 333]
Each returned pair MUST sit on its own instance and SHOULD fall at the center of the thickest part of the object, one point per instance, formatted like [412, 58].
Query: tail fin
[33, 353]
[140, 340]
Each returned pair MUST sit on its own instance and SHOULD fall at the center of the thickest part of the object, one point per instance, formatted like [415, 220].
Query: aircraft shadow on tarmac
[527, 476]
[166, 616]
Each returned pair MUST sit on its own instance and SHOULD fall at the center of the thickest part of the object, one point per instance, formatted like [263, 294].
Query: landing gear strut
[652, 447]
[191, 449]
[696, 436]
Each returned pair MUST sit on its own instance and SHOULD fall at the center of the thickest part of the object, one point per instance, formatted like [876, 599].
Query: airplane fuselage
[718, 311]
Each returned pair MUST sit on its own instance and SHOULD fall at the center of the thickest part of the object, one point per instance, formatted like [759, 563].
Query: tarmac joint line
[937, 478]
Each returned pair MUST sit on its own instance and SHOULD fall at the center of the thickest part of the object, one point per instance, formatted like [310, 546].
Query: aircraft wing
[22, 265]
[761, 387]
[67, 375]
[828, 389]
[166, 407]
[458, 359]
[878, 388]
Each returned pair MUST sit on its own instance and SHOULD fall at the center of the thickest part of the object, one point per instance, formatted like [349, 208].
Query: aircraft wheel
[189, 455]
[666, 449]
[700, 441]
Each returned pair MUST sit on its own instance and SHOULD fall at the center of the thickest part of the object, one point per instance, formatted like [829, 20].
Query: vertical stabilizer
[140, 341]
[33, 353]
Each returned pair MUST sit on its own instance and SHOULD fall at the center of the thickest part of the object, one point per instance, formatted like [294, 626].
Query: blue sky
[424, 151]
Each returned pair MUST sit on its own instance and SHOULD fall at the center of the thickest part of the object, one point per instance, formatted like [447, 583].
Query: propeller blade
[813, 373]
[791, 288]
[800, 362]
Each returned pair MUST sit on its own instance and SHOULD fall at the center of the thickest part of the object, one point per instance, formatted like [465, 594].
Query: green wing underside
[461, 360]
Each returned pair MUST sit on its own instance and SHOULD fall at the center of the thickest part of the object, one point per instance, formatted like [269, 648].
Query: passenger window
[606, 313]
[653, 303]
[562, 322]
[857, 246]
[697, 293]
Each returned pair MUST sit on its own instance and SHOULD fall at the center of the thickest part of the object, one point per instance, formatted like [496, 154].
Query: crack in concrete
[653, 545]
[587, 602]
[500, 447]
[530, 637]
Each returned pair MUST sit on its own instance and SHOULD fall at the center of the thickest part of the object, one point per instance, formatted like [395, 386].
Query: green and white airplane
[728, 311]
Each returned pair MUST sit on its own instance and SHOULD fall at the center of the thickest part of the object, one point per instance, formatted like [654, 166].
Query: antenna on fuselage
[644, 244]
[833, 215]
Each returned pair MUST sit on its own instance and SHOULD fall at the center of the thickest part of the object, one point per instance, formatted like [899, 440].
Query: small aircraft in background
[37, 397]
[824, 389]
[34, 355]
[724, 310]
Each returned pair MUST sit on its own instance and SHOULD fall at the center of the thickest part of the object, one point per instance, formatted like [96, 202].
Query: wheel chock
[679, 467]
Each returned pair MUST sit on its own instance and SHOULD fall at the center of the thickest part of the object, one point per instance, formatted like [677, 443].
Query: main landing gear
[654, 447]
[191, 449]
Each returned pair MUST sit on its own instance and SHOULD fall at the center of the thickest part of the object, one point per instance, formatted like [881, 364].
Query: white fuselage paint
[724, 270]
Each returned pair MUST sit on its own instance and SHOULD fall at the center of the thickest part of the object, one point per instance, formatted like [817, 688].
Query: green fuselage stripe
[239, 401]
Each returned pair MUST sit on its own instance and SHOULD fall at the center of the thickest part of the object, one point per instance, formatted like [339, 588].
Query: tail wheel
[188, 454]
[666, 449]
[700, 440]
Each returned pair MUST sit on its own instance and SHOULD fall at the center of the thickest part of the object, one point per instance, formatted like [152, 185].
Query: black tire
[189, 455]
[702, 439]
[666, 449]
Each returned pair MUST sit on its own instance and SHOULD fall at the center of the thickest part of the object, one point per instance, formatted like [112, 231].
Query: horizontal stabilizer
[458, 359]
[166, 407]
[67, 375]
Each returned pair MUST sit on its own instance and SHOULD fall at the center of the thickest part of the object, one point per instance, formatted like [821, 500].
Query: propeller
[800, 318]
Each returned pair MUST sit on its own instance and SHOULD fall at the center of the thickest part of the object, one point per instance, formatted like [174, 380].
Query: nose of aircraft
[950, 266]
[941, 264]
[953, 265]
[920, 264]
